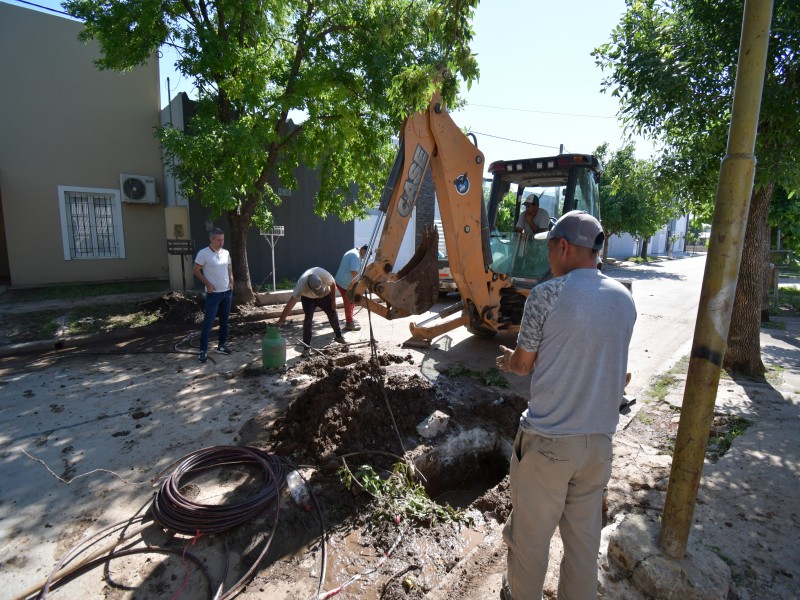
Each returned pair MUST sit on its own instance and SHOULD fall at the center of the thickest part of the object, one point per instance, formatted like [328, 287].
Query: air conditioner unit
[138, 189]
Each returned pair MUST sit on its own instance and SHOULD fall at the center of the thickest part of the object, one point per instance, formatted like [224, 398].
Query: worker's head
[315, 284]
[217, 238]
[532, 204]
[363, 250]
[573, 242]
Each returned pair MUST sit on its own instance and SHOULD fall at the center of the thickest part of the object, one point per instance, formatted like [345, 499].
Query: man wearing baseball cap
[574, 337]
[533, 219]
[316, 288]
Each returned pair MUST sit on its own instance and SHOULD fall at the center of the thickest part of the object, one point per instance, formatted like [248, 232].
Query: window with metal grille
[91, 223]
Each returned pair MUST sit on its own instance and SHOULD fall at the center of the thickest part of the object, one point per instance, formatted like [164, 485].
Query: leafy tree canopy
[673, 66]
[353, 68]
[631, 198]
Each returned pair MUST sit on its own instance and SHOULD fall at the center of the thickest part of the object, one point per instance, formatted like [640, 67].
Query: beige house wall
[63, 122]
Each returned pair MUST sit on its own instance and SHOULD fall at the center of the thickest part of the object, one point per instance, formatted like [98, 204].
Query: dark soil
[355, 412]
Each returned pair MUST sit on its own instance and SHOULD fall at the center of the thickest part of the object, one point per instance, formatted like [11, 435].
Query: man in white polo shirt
[214, 269]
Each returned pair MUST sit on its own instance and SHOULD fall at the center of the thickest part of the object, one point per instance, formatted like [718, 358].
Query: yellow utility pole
[732, 205]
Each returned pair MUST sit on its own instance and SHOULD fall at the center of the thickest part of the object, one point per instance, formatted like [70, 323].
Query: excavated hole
[464, 468]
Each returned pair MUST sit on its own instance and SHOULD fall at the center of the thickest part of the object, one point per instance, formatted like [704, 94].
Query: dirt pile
[347, 410]
[176, 308]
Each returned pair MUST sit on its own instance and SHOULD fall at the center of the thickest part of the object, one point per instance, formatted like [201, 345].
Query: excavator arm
[431, 138]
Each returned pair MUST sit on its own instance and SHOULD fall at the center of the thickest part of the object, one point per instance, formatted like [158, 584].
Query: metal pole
[732, 205]
[272, 246]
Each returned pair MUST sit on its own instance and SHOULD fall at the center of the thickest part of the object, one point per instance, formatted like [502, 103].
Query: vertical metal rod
[732, 206]
[272, 246]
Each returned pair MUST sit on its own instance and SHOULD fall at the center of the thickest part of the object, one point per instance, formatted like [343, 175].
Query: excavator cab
[560, 184]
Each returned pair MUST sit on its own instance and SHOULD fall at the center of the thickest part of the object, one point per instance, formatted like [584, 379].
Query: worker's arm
[198, 272]
[531, 221]
[286, 310]
[230, 275]
[333, 296]
[517, 361]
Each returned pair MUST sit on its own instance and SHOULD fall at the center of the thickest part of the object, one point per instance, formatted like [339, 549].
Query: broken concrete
[700, 575]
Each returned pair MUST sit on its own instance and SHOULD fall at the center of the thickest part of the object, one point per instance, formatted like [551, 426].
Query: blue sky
[539, 86]
[535, 62]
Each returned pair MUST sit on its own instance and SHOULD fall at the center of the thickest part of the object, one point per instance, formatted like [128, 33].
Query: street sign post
[270, 236]
[182, 248]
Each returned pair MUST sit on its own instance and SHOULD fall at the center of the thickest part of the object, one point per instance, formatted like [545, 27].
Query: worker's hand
[503, 362]
[280, 323]
[210, 288]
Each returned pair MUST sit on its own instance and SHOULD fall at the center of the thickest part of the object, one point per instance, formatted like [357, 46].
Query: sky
[539, 86]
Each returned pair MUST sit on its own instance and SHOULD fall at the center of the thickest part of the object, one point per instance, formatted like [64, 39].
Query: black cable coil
[175, 512]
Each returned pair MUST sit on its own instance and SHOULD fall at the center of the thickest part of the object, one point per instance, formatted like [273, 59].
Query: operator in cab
[534, 219]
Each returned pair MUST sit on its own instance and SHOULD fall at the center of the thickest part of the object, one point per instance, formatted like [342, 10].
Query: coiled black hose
[175, 512]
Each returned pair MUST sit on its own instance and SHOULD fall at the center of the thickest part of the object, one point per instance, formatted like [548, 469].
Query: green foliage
[631, 195]
[491, 376]
[353, 70]
[399, 496]
[673, 66]
[505, 212]
[788, 301]
[720, 443]
[662, 386]
[785, 214]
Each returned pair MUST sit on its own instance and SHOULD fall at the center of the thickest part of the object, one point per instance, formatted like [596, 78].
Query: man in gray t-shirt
[315, 289]
[574, 336]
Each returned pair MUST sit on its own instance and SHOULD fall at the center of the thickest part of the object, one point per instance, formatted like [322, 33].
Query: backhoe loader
[493, 270]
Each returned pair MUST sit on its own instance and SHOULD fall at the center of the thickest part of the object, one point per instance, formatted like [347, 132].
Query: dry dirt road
[86, 431]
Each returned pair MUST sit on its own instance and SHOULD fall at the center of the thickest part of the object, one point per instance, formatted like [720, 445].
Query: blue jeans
[216, 302]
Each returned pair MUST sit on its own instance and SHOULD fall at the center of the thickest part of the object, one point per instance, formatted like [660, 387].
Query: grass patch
[45, 325]
[491, 376]
[107, 318]
[85, 290]
[788, 301]
[773, 325]
[774, 374]
[642, 261]
[662, 386]
[719, 444]
[718, 551]
[681, 367]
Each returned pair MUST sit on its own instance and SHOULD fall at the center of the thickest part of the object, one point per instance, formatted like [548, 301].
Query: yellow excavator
[493, 270]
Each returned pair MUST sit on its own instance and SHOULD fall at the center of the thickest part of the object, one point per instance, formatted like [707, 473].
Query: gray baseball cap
[579, 228]
[315, 283]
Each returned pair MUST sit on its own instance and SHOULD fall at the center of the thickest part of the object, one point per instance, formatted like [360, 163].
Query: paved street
[119, 414]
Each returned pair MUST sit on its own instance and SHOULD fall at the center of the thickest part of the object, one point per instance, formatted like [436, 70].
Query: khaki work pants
[556, 482]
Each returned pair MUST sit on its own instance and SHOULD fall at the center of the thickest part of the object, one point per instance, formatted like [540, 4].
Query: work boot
[351, 326]
[340, 339]
[203, 356]
[306, 352]
[223, 349]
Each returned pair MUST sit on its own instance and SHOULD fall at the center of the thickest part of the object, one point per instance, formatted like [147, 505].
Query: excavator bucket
[416, 286]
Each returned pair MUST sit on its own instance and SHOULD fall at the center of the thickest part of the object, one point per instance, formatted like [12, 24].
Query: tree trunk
[645, 242]
[743, 353]
[239, 225]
